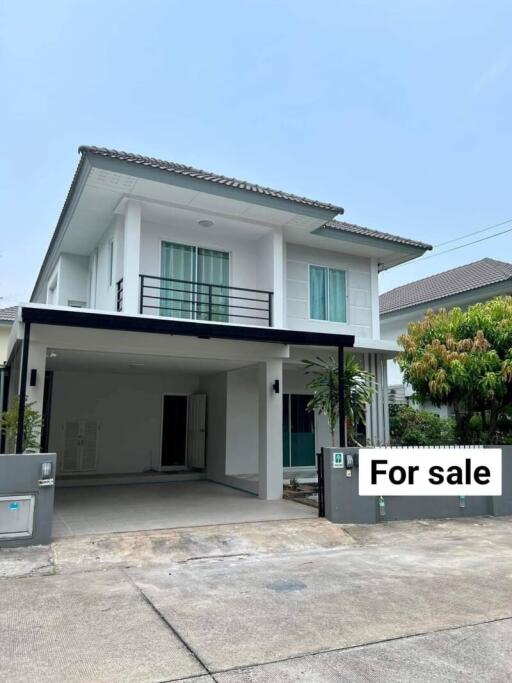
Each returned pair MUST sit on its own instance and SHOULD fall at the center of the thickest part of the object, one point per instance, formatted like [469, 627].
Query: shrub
[411, 427]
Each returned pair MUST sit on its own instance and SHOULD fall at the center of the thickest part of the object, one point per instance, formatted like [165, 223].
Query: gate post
[342, 501]
[321, 483]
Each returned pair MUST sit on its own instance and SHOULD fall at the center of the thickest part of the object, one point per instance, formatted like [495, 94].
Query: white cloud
[490, 75]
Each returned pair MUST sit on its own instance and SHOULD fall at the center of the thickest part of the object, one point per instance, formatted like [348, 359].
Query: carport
[101, 382]
[91, 510]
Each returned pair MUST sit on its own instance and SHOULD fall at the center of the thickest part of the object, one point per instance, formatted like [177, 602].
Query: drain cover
[285, 586]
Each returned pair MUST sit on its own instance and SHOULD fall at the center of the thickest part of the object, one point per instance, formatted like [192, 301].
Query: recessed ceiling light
[205, 223]
[52, 354]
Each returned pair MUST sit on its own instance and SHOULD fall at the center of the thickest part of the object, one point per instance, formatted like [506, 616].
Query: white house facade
[167, 327]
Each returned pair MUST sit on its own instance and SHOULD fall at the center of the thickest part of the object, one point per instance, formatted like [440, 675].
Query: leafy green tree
[31, 426]
[359, 390]
[463, 359]
[411, 427]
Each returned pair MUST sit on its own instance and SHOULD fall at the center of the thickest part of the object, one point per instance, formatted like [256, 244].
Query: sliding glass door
[177, 298]
[200, 297]
[298, 431]
[213, 269]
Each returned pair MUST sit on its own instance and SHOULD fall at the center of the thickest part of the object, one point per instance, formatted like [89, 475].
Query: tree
[411, 427]
[359, 390]
[31, 426]
[463, 359]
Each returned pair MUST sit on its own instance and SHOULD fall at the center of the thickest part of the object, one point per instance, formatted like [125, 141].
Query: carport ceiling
[99, 361]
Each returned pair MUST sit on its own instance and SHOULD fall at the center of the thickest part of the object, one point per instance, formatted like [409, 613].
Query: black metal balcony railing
[204, 301]
[119, 295]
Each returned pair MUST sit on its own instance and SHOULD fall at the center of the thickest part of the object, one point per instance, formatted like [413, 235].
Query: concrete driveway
[410, 601]
[89, 510]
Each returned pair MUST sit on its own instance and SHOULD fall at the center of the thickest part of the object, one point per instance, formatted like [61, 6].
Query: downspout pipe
[341, 396]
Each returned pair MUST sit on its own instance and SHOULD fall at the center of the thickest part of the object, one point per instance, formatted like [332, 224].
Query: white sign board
[430, 472]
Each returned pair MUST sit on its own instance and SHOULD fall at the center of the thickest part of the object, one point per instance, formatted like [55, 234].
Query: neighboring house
[462, 286]
[7, 318]
[172, 311]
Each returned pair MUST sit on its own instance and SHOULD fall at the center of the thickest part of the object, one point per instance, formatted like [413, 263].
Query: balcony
[192, 300]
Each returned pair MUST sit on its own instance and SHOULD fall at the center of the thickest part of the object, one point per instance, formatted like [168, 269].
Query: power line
[476, 232]
[461, 246]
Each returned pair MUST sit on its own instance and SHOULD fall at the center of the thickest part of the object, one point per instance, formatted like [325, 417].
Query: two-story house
[171, 315]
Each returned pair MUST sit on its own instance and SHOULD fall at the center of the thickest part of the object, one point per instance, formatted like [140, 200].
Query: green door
[298, 432]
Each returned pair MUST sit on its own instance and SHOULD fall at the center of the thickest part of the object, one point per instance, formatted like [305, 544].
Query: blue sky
[399, 111]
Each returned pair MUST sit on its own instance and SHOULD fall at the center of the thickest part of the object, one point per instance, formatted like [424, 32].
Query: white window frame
[327, 320]
[110, 263]
[196, 246]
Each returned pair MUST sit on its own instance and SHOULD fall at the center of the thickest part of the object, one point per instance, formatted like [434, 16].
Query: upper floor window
[187, 271]
[327, 294]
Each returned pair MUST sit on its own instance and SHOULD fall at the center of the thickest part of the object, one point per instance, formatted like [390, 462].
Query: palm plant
[359, 390]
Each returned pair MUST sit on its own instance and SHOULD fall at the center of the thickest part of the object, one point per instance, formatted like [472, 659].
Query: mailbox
[16, 516]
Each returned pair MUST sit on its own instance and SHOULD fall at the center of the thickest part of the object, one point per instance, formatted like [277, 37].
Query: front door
[174, 432]
[298, 431]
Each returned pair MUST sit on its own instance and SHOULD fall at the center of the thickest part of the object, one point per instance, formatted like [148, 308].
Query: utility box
[27, 486]
[16, 516]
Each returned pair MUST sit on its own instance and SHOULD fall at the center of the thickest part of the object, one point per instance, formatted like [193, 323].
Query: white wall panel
[359, 290]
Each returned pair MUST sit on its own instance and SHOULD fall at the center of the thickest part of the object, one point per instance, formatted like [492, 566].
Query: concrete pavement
[480, 653]
[403, 601]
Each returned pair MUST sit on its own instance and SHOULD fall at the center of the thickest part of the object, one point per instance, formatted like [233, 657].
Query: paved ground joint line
[358, 647]
[168, 624]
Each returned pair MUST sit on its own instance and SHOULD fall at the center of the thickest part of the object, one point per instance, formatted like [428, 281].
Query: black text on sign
[430, 472]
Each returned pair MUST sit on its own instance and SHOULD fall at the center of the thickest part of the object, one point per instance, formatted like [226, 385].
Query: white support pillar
[278, 280]
[131, 257]
[270, 422]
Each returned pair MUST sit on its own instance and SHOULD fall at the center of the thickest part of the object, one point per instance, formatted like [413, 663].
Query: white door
[80, 446]
[196, 431]
[70, 461]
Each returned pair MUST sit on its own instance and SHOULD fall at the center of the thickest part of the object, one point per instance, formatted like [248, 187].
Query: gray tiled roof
[173, 167]
[482, 273]
[181, 169]
[368, 232]
[8, 314]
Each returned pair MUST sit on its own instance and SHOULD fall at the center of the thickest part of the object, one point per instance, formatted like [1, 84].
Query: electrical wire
[470, 234]
[447, 251]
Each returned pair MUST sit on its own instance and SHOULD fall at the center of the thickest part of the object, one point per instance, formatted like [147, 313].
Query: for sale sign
[430, 472]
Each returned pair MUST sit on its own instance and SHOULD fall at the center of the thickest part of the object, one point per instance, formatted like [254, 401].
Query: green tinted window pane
[337, 296]
[212, 269]
[177, 262]
[318, 292]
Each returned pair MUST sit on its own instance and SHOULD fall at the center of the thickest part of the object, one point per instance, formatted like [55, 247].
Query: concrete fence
[343, 504]
[26, 499]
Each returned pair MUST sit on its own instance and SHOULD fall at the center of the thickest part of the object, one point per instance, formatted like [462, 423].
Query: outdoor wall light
[46, 470]
[46, 479]
[275, 386]
[205, 223]
[33, 377]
